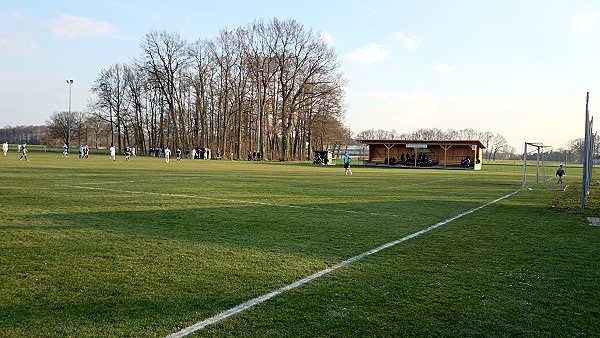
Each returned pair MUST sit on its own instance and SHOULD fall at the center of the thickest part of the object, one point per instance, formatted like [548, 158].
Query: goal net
[536, 166]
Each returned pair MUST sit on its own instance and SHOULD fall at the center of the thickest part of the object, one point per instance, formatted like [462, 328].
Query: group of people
[198, 154]
[195, 153]
[254, 156]
[409, 160]
[167, 154]
[465, 162]
[22, 149]
[160, 152]
[320, 159]
[84, 151]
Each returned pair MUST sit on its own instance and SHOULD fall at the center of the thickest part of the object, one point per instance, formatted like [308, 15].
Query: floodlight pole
[69, 82]
[260, 118]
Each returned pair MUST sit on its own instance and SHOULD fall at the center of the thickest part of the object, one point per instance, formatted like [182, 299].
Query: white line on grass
[227, 200]
[115, 182]
[261, 299]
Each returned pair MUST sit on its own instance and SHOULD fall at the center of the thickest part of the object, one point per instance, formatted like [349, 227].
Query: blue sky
[518, 68]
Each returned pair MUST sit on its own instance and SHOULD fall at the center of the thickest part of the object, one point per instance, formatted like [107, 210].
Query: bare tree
[111, 105]
[500, 145]
[136, 93]
[221, 51]
[166, 58]
[200, 79]
[58, 125]
[302, 59]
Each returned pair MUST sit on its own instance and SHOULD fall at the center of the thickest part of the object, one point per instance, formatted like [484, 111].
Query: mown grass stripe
[229, 200]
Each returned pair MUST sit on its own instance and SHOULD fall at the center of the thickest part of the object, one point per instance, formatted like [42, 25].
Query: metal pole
[260, 128]
[585, 154]
[537, 166]
[524, 165]
[70, 82]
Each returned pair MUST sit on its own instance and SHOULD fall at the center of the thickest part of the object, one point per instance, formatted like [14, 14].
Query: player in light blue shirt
[347, 160]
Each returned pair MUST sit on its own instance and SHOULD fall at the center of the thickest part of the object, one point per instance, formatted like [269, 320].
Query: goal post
[540, 150]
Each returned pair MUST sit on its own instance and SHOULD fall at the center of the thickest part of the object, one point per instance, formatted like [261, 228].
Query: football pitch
[99, 248]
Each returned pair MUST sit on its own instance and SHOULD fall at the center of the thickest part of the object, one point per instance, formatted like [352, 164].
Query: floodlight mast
[260, 117]
[69, 82]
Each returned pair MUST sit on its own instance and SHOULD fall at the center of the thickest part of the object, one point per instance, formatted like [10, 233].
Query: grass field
[144, 249]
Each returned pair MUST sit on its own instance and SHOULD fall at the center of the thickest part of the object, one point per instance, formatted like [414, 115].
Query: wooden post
[445, 153]
[387, 155]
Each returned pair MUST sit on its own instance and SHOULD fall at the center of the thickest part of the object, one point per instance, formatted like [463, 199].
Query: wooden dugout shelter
[446, 154]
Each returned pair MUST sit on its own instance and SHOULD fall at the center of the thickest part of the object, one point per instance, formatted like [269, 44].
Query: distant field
[96, 248]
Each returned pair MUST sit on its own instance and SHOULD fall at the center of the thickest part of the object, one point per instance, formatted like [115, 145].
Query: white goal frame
[539, 147]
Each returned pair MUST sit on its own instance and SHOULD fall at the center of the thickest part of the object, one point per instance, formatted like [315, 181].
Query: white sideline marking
[261, 299]
[228, 200]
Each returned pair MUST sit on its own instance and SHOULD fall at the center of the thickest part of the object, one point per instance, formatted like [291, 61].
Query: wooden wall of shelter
[440, 153]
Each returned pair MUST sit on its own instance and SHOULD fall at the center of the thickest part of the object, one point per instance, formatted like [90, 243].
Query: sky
[518, 68]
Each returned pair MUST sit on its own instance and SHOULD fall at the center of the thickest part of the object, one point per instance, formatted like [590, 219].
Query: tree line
[269, 87]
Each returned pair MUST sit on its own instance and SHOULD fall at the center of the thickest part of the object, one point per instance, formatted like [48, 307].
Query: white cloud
[585, 21]
[71, 26]
[11, 19]
[442, 68]
[327, 38]
[19, 43]
[408, 41]
[369, 54]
